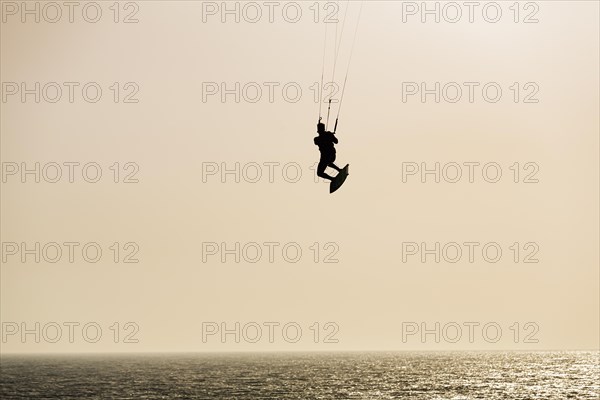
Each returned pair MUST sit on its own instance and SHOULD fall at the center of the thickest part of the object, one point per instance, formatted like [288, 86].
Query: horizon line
[9, 353]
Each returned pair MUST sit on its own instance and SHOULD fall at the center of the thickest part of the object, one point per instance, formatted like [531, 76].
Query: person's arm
[333, 138]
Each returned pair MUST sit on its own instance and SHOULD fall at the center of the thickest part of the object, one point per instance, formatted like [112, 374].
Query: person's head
[320, 127]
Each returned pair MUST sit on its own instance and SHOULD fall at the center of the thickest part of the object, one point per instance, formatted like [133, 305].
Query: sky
[172, 189]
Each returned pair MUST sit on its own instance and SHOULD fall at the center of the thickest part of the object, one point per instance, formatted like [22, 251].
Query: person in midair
[326, 142]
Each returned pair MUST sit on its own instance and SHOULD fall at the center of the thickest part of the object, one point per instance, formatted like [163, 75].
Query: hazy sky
[182, 215]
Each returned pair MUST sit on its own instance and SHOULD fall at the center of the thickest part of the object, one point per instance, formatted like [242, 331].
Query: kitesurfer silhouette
[326, 142]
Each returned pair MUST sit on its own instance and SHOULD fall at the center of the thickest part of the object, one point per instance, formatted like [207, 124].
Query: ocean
[376, 375]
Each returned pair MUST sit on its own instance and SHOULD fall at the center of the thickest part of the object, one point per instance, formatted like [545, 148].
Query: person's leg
[321, 170]
[332, 165]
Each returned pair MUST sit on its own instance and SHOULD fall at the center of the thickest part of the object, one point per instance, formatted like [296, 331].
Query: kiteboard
[339, 180]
